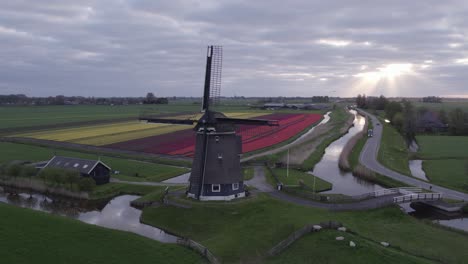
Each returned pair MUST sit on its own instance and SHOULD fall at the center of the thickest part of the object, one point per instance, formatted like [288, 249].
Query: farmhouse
[95, 169]
[429, 122]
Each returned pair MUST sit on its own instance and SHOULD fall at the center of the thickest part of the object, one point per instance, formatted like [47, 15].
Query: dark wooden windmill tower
[216, 170]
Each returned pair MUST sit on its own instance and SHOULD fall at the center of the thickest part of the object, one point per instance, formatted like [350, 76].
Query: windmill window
[220, 156]
[76, 165]
[235, 186]
[85, 166]
[217, 139]
[216, 188]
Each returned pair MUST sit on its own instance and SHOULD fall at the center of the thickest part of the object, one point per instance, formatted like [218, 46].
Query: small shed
[95, 169]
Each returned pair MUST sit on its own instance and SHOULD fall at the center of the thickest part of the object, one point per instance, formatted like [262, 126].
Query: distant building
[430, 122]
[95, 169]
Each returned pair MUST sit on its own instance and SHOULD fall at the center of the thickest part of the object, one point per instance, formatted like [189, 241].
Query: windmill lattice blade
[216, 69]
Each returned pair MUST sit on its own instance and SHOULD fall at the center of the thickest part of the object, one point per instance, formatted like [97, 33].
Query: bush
[86, 184]
[28, 171]
[13, 170]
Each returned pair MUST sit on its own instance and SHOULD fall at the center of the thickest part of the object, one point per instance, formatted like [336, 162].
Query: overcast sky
[271, 48]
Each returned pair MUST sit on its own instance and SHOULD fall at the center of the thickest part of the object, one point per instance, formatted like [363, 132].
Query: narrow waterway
[416, 169]
[116, 214]
[327, 169]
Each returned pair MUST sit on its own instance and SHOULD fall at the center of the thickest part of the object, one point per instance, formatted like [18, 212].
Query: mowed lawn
[29, 236]
[393, 152]
[107, 134]
[445, 160]
[129, 169]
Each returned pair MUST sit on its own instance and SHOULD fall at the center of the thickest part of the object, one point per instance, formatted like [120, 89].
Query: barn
[95, 169]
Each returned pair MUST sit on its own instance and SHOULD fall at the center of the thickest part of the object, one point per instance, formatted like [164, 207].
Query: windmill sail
[214, 65]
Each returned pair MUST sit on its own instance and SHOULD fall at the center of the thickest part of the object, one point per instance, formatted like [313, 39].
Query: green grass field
[447, 106]
[295, 176]
[442, 147]
[451, 173]
[29, 236]
[129, 169]
[322, 247]
[244, 232]
[445, 160]
[393, 152]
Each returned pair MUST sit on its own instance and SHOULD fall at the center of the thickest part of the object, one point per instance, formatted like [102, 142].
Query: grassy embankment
[35, 237]
[131, 170]
[445, 160]
[337, 118]
[244, 232]
[296, 178]
[248, 173]
[393, 152]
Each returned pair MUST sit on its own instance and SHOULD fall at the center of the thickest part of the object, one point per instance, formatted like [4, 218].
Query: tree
[391, 109]
[457, 122]
[409, 126]
[150, 99]
[361, 101]
[443, 116]
[398, 121]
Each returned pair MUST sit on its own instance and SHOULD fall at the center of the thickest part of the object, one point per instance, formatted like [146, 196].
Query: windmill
[216, 171]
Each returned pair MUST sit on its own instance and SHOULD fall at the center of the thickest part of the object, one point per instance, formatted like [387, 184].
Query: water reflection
[416, 169]
[421, 211]
[117, 214]
[327, 168]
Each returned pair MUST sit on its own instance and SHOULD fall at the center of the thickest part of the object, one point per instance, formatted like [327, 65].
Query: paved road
[368, 158]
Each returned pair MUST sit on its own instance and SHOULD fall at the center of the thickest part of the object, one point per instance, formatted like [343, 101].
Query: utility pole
[287, 166]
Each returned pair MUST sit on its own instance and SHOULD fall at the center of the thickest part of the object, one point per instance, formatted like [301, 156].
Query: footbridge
[403, 194]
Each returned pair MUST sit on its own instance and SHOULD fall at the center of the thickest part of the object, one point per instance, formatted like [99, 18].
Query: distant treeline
[409, 120]
[21, 99]
[280, 99]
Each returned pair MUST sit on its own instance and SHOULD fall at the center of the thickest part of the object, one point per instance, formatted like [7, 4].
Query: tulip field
[177, 139]
[253, 137]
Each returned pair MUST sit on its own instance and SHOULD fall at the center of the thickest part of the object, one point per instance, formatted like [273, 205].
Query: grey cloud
[127, 48]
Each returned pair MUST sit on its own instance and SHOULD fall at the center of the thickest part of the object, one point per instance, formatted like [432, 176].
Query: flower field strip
[70, 134]
[116, 132]
[160, 144]
[165, 143]
[254, 137]
[130, 135]
[281, 135]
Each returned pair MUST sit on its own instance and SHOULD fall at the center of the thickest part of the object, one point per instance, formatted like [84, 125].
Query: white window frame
[213, 189]
[235, 188]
